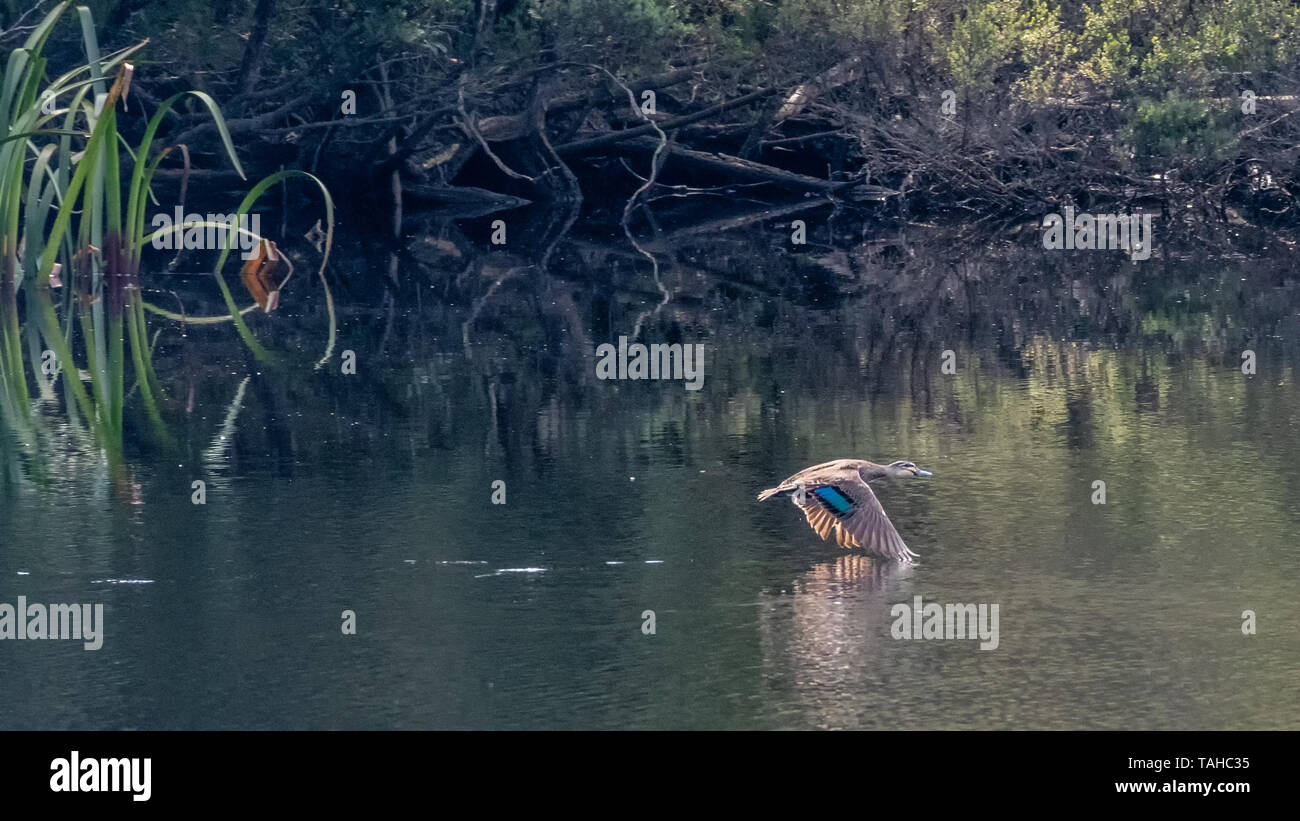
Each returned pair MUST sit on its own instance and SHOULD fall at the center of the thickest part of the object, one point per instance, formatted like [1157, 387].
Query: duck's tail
[769, 493]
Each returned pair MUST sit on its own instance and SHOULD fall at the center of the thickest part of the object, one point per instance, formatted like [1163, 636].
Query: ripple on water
[505, 570]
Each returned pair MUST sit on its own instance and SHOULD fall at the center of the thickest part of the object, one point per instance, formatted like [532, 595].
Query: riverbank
[985, 110]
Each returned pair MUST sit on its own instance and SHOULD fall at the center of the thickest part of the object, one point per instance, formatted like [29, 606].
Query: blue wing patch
[834, 501]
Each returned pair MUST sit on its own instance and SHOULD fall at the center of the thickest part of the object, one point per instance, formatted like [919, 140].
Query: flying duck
[836, 496]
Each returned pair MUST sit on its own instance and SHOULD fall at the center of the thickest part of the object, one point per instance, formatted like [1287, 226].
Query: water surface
[373, 493]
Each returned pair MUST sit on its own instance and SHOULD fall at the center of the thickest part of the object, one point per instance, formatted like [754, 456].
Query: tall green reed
[64, 221]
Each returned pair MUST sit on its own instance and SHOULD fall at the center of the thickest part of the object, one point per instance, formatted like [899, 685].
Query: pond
[521, 544]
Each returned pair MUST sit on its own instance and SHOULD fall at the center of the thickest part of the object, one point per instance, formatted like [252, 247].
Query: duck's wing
[846, 505]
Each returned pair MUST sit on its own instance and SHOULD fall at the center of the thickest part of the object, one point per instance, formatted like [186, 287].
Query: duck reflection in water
[823, 637]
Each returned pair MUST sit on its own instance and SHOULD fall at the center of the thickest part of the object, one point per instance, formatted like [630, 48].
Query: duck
[837, 496]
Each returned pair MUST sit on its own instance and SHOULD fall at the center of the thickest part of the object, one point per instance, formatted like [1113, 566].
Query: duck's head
[904, 470]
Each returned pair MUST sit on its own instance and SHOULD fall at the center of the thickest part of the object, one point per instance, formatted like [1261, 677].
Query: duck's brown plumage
[864, 523]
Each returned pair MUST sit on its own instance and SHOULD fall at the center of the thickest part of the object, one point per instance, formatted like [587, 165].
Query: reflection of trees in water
[478, 344]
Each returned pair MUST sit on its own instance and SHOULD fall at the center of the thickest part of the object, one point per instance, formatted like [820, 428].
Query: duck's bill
[920, 472]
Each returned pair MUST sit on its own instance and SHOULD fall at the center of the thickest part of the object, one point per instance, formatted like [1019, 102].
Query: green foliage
[1106, 44]
[1246, 36]
[1176, 126]
[846, 20]
[980, 42]
[1048, 49]
[632, 34]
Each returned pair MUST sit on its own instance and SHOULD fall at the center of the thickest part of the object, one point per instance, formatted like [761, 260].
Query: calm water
[372, 492]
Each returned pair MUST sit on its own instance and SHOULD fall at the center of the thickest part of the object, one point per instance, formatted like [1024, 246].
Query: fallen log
[246, 125]
[605, 140]
[504, 127]
[837, 75]
[463, 196]
[600, 96]
[748, 170]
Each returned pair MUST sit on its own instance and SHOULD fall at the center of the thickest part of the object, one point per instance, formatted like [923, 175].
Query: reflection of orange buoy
[259, 275]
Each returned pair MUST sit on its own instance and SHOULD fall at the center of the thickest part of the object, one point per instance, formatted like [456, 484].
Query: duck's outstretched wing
[848, 507]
